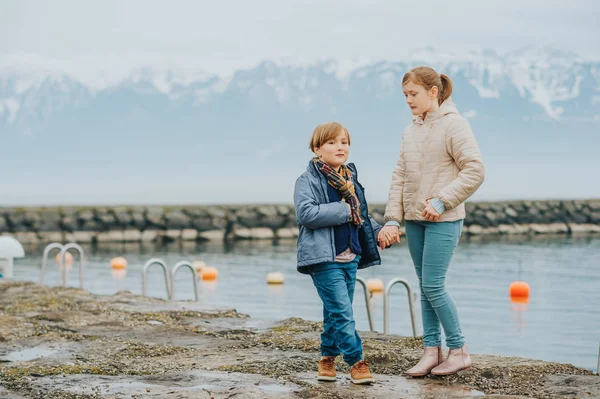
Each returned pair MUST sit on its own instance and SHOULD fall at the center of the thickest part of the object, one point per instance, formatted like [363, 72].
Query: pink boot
[458, 359]
[431, 358]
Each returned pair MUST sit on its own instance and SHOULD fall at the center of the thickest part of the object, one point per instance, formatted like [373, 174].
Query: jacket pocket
[314, 244]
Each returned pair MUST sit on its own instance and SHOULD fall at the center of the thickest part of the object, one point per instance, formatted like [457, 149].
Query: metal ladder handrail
[367, 302]
[177, 266]
[386, 305]
[63, 268]
[160, 262]
[47, 250]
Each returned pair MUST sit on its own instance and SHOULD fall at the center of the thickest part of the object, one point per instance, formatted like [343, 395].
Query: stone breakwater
[240, 222]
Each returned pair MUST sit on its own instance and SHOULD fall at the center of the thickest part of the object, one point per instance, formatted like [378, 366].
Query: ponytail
[446, 90]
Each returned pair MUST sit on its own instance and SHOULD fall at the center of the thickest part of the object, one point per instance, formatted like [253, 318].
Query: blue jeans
[335, 284]
[431, 246]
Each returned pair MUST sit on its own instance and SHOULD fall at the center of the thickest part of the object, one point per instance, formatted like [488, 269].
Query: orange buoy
[118, 263]
[519, 289]
[519, 300]
[375, 285]
[209, 273]
[68, 260]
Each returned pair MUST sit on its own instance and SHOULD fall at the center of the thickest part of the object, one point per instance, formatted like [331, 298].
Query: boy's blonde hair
[325, 132]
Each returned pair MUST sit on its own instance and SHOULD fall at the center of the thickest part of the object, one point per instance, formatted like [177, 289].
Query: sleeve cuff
[392, 223]
[438, 205]
[348, 211]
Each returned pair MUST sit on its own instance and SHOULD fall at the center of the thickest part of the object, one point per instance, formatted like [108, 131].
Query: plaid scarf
[342, 182]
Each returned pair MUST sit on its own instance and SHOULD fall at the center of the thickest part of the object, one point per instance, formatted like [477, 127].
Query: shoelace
[363, 366]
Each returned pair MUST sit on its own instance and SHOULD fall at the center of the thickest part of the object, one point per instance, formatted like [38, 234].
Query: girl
[439, 167]
[337, 237]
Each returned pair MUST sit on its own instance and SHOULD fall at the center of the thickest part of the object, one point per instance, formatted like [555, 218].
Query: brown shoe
[326, 369]
[432, 357]
[360, 373]
[458, 360]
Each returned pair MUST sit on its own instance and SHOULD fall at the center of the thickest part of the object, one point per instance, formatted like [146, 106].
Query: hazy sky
[227, 34]
[84, 37]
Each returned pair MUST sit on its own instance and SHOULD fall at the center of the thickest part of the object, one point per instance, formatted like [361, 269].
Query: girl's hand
[430, 214]
[387, 236]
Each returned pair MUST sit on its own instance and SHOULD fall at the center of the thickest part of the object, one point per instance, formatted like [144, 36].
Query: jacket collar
[447, 107]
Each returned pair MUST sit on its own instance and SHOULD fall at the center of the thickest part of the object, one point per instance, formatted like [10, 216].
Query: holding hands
[391, 234]
[388, 235]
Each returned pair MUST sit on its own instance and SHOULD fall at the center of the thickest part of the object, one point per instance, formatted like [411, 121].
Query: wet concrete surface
[6, 394]
[67, 343]
[194, 384]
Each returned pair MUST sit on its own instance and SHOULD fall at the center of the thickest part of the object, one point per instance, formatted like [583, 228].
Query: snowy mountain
[526, 83]
[153, 118]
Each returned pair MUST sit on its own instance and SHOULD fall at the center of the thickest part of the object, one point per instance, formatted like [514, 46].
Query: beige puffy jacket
[439, 157]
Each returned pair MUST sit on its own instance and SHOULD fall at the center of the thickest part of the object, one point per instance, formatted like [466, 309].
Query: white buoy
[199, 265]
[275, 278]
[118, 263]
[10, 248]
[375, 285]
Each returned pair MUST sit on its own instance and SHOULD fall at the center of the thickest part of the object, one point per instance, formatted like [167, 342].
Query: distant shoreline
[163, 224]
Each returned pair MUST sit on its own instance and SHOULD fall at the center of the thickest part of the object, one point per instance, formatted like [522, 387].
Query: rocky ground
[68, 343]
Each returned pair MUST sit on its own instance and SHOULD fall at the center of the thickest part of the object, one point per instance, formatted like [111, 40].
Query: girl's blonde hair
[325, 132]
[427, 77]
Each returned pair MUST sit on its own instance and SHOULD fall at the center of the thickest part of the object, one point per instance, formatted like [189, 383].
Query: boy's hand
[387, 236]
[429, 213]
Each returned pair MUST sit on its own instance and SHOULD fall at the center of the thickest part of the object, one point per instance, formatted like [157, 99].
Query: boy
[337, 237]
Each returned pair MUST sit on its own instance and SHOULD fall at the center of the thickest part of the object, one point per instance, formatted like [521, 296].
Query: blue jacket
[316, 217]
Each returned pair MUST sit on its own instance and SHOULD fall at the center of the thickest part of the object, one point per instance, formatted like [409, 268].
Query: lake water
[560, 323]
